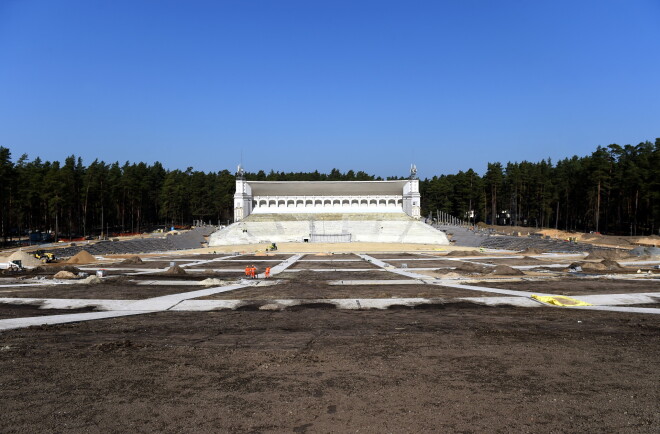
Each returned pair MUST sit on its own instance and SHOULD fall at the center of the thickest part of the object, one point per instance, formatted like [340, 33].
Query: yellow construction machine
[45, 257]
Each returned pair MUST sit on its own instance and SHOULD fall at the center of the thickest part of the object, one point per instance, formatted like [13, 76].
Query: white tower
[242, 197]
[411, 197]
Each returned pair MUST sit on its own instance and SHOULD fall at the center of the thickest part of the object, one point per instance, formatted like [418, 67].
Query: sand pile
[505, 270]
[82, 257]
[607, 254]
[27, 260]
[132, 260]
[653, 240]
[64, 275]
[174, 271]
[461, 253]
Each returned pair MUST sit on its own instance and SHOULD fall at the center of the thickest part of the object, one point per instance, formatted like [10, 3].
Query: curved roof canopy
[326, 188]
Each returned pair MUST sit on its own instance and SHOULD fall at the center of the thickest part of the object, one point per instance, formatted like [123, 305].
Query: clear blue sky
[311, 85]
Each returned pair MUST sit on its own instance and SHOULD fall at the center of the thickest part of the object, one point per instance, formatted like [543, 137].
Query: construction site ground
[338, 339]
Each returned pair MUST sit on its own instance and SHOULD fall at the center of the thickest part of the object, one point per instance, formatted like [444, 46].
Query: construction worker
[253, 272]
[247, 271]
[267, 272]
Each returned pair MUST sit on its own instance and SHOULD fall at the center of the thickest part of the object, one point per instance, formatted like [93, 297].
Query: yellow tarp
[560, 300]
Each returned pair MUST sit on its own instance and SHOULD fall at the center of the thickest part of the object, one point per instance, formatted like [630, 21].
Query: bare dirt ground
[21, 311]
[304, 276]
[332, 265]
[456, 369]
[219, 265]
[573, 286]
[110, 291]
[445, 366]
[321, 290]
[521, 261]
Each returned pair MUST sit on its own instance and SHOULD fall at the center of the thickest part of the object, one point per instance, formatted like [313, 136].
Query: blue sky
[312, 85]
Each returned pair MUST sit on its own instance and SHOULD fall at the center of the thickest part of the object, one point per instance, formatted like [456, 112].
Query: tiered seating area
[192, 239]
[371, 227]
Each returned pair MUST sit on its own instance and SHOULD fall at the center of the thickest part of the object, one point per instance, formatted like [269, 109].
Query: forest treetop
[615, 189]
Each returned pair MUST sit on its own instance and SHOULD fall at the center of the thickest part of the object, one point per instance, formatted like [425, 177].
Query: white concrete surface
[378, 231]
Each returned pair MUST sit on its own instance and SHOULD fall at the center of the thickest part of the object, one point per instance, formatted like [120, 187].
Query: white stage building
[327, 211]
[286, 197]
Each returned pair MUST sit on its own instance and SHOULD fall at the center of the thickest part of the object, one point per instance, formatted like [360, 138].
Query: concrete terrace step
[365, 228]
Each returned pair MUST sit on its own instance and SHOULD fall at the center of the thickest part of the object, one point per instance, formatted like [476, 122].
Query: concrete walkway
[604, 297]
[118, 308]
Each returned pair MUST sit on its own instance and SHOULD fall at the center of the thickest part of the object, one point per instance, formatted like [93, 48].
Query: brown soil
[256, 258]
[522, 261]
[146, 265]
[174, 271]
[464, 253]
[233, 265]
[607, 254]
[425, 264]
[8, 311]
[82, 257]
[308, 275]
[382, 256]
[578, 286]
[132, 260]
[429, 263]
[314, 370]
[321, 289]
[105, 290]
[470, 268]
[332, 265]
[51, 269]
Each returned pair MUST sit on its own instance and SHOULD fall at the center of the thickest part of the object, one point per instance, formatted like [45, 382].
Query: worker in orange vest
[267, 273]
[253, 272]
[247, 271]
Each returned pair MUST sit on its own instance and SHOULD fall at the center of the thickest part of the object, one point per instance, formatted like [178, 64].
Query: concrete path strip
[16, 323]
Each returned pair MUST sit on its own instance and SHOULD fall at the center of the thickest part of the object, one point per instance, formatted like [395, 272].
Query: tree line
[613, 190]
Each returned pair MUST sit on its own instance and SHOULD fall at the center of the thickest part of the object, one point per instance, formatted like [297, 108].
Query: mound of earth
[607, 254]
[132, 260]
[505, 270]
[611, 265]
[468, 267]
[176, 270]
[82, 257]
[27, 260]
[461, 253]
[589, 266]
[54, 268]
[64, 275]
